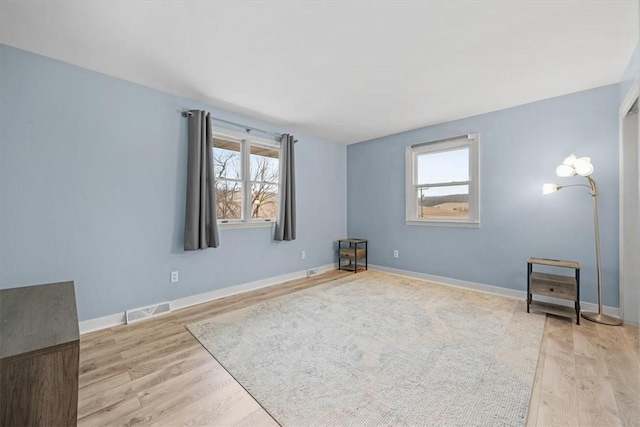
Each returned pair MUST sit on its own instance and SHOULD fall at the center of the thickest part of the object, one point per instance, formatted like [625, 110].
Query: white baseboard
[244, 287]
[496, 290]
[104, 322]
[116, 319]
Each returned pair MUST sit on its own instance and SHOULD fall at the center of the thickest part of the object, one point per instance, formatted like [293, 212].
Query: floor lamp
[582, 166]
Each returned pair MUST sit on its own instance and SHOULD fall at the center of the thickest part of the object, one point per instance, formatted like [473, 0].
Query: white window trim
[246, 140]
[250, 224]
[411, 207]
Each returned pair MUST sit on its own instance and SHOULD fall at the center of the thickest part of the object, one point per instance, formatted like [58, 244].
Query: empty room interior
[319, 213]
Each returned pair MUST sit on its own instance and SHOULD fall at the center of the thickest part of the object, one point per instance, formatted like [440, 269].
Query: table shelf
[553, 285]
[356, 250]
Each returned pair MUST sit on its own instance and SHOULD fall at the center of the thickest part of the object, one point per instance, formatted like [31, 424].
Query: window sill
[444, 223]
[236, 225]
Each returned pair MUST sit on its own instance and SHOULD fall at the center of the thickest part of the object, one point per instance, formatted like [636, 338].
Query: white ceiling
[347, 71]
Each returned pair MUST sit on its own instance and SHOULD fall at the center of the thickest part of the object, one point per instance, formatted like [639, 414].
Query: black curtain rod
[248, 129]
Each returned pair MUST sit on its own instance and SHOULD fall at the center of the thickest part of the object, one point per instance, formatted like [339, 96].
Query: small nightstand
[356, 250]
[553, 285]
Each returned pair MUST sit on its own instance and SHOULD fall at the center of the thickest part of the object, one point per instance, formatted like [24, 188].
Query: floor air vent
[313, 271]
[146, 312]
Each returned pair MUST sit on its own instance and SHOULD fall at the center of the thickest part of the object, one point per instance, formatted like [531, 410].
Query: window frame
[469, 141]
[246, 141]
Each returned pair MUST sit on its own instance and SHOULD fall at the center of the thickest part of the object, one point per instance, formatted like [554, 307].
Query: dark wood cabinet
[39, 354]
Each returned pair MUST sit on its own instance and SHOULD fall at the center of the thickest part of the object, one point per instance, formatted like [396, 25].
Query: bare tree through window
[263, 177]
[265, 174]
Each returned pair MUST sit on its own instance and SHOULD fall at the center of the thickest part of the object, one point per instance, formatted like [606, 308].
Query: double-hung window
[442, 182]
[247, 173]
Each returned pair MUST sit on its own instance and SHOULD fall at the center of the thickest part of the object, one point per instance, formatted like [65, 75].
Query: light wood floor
[155, 372]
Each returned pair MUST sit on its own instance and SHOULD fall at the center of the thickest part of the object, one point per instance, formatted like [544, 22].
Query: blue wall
[92, 179]
[520, 148]
[92, 190]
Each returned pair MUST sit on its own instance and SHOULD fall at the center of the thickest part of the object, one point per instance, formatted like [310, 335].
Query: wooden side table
[356, 249]
[553, 285]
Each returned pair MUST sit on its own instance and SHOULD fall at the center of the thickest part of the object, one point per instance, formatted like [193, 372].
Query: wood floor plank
[622, 372]
[558, 399]
[632, 335]
[596, 401]
[123, 391]
[586, 342]
[98, 388]
[209, 376]
[536, 388]
[227, 407]
[91, 338]
[133, 340]
[161, 401]
[259, 417]
[195, 353]
[162, 345]
[109, 415]
[89, 366]
[95, 342]
[98, 370]
[155, 372]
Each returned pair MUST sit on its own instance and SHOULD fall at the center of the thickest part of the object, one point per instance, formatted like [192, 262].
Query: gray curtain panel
[286, 221]
[201, 224]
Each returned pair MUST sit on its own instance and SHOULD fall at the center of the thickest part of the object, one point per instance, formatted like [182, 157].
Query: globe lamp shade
[565, 171]
[583, 166]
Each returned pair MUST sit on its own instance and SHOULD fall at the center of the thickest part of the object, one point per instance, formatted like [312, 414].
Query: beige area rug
[380, 349]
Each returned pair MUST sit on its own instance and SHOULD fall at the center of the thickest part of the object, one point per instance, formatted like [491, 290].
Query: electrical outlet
[174, 276]
[304, 255]
[395, 254]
